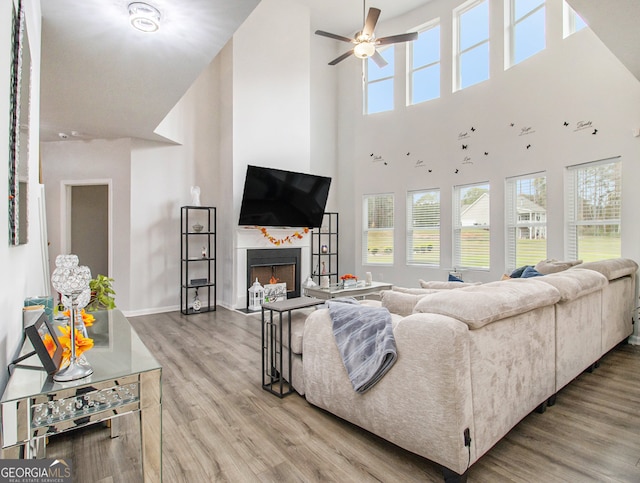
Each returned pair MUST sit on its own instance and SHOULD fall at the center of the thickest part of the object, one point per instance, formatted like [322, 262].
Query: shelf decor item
[71, 280]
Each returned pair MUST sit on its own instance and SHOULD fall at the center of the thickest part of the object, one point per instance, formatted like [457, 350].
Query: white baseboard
[157, 310]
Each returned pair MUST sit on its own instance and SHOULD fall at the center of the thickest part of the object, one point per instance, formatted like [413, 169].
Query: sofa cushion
[575, 283]
[480, 305]
[551, 265]
[613, 268]
[398, 302]
[445, 285]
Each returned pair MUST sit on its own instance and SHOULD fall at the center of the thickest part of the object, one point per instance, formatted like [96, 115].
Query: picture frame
[45, 343]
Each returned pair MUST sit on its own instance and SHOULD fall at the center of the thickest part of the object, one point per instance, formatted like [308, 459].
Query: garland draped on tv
[287, 239]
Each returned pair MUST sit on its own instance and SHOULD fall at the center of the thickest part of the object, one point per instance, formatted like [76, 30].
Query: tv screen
[274, 197]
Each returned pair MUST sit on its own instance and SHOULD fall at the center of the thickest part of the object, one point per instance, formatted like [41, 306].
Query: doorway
[88, 226]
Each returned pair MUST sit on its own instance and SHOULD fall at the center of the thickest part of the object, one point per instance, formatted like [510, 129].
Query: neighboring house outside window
[377, 230]
[526, 29]
[471, 43]
[379, 86]
[424, 64]
[572, 21]
[471, 226]
[594, 209]
[526, 220]
[423, 227]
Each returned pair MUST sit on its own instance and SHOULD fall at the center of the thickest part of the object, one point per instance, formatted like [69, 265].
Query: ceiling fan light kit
[366, 42]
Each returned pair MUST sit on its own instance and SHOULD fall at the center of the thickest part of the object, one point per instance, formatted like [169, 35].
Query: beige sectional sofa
[474, 361]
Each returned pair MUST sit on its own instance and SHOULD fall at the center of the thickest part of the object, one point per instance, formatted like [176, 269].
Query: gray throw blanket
[365, 341]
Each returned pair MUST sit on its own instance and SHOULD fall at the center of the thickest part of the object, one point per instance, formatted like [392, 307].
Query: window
[572, 21]
[423, 227]
[379, 94]
[424, 65]
[471, 41]
[377, 233]
[526, 219]
[526, 29]
[471, 226]
[594, 195]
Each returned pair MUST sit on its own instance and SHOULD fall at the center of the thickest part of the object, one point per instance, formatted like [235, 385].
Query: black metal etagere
[197, 259]
[324, 249]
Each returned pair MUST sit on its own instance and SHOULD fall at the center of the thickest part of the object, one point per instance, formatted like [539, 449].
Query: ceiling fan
[366, 42]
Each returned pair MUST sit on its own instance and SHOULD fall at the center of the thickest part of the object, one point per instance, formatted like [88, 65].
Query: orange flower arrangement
[83, 343]
[348, 276]
[87, 319]
[287, 239]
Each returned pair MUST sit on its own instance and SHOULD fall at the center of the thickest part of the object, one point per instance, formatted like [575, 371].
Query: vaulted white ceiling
[103, 79]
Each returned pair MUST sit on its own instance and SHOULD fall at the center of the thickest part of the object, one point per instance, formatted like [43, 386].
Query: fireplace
[281, 264]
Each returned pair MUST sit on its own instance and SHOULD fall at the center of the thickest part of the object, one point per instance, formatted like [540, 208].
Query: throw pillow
[531, 272]
[551, 265]
[399, 303]
[517, 273]
[453, 278]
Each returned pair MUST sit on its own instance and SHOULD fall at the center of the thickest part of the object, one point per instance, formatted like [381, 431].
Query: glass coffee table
[361, 289]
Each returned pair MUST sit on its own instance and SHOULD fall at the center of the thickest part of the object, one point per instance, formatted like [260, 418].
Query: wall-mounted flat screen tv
[274, 197]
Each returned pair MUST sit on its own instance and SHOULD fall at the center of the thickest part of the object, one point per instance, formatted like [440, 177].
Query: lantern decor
[71, 281]
[256, 296]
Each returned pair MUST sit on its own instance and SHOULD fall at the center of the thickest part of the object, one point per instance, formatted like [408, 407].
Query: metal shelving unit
[324, 249]
[197, 259]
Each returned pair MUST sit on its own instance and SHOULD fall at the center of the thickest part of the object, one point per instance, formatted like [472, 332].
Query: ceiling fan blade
[394, 39]
[371, 21]
[334, 36]
[341, 58]
[379, 60]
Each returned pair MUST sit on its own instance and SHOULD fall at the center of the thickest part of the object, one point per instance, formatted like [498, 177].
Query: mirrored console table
[126, 379]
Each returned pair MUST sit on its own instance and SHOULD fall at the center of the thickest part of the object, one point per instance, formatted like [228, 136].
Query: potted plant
[102, 294]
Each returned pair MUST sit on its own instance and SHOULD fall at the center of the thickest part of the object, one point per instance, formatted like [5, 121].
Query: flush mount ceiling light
[144, 17]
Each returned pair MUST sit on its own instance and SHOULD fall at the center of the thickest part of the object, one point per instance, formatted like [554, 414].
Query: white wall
[576, 79]
[99, 162]
[271, 101]
[573, 80]
[22, 266]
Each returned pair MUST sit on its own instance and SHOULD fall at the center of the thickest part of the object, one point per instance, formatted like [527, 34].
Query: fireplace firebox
[275, 265]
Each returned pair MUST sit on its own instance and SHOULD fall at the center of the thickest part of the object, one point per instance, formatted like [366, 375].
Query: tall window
[423, 227]
[377, 239]
[526, 29]
[379, 93]
[526, 218]
[471, 41]
[594, 195]
[424, 65]
[572, 21]
[471, 234]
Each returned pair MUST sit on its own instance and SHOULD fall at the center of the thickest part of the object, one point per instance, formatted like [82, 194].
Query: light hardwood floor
[219, 425]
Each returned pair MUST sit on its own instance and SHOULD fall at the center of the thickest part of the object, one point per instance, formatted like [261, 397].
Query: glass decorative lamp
[71, 281]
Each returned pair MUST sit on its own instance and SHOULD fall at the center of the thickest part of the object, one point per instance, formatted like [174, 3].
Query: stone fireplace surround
[250, 238]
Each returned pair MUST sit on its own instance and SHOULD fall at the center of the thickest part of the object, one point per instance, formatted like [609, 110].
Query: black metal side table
[272, 343]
